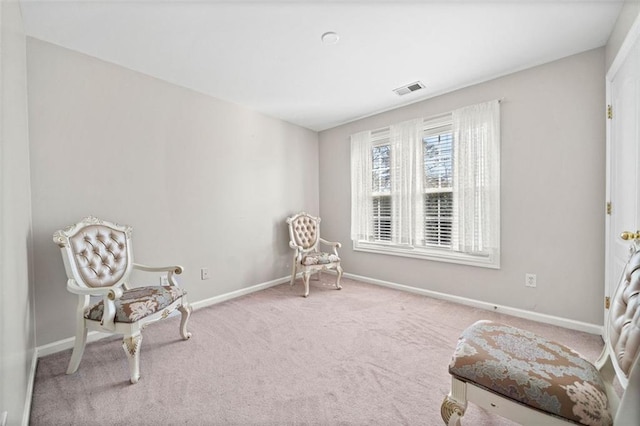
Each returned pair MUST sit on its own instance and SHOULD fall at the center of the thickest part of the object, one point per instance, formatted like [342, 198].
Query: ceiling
[268, 55]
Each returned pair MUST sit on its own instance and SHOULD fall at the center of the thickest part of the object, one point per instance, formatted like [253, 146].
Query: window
[438, 180]
[381, 195]
[429, 188]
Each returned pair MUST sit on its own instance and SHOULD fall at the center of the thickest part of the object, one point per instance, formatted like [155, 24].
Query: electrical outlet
[204, 274]
[530, 280]
[164, 280]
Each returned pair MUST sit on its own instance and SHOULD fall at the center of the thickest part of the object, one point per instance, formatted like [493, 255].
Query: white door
[623, 90]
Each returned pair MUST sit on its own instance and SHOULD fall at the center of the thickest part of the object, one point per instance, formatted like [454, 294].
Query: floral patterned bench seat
[531, 370]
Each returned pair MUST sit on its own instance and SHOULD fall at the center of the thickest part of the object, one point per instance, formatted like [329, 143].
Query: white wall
[203, 183]
[17, 327]
[552, 193]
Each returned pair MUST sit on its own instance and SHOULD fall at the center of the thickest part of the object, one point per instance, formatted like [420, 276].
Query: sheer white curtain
[406, 179]
[476, 221]
[361, 186]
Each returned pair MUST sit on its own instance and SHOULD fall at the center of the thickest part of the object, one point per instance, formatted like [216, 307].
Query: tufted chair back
[96, 254]
[624, 317]
[305, 230]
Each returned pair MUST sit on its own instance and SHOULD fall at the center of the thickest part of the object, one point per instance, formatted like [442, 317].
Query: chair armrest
[299, 250]
[174, 269]
[330, 243]
[109, 294]
[334, 244]
[74, 288]
[294, 246]
[170, 270]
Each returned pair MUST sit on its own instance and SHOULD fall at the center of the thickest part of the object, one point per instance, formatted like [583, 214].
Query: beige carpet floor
[365, 355]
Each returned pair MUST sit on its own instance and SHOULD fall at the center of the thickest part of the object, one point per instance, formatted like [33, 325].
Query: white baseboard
[520, 313]
[64, 344]
[242, 292]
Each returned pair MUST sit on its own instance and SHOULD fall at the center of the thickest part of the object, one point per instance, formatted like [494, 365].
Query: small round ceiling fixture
[330, 37]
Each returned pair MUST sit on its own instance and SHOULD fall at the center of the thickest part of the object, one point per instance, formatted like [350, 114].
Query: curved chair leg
[78, 347]
[131, 346]
[305, 278]
[186, 313]
[451, 411]
[339, 269]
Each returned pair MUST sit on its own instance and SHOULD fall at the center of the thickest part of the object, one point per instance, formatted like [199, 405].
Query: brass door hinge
[607, 302]
[609, 112]
[609, 207]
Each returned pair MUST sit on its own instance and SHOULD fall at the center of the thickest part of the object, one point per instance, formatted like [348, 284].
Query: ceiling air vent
[409, 88]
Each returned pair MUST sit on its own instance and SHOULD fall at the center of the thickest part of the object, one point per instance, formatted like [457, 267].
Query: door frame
[625, 48]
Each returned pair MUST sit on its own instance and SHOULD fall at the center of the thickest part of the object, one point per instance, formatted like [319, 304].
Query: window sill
[488, 261]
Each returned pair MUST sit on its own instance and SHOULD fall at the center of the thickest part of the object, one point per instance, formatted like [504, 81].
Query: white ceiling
[268, 56]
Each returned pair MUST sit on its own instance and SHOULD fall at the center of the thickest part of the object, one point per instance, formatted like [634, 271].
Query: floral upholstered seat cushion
[138, 303]
[531, 370]
[319, 258]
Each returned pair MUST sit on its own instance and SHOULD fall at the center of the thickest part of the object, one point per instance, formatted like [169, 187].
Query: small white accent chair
[304, 234]
[534, 381]
[98, 261]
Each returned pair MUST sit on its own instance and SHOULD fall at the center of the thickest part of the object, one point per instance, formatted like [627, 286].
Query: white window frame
[489, 259]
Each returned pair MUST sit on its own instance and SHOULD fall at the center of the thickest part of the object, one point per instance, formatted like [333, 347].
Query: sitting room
[454, 161]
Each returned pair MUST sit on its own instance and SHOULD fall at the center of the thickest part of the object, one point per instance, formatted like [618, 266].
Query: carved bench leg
[186, 313]
[454, 405]
[131, 346]
[451, 412]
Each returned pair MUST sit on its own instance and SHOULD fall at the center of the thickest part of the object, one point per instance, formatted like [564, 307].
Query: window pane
[382, 218]
[438, 198]
[381, 168]
[438, 213]
[438, 164]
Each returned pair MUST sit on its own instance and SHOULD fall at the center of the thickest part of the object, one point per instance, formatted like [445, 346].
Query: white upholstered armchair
[98, 261]
[535, 381]
[304, 234]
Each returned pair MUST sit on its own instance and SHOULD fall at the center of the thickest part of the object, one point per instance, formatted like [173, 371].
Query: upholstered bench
[535, 381]
[531, 370]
